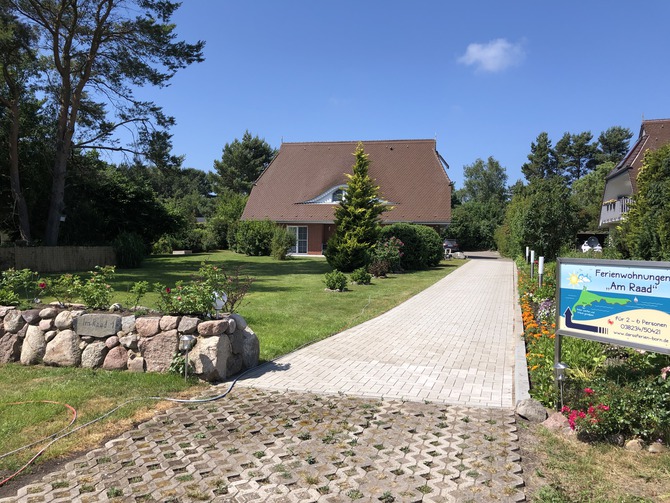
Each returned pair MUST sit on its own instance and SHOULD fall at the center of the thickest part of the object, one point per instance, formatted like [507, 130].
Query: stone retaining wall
[74, 338]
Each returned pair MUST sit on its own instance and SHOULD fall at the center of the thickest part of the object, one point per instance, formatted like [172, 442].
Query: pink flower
[664, 372]
[604, 407]
[588, 391]
[179, 298]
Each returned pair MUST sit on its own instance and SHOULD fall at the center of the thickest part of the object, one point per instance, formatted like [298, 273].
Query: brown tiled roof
[653, 135]
[408, 172]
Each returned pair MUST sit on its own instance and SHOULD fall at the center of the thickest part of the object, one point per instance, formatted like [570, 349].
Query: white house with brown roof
[305, 181]
[621, 182]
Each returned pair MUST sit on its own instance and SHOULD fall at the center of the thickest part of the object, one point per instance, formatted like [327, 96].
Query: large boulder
[251, 349]
[148, 326]
[32, 316]
[531, 410]
[93, 355]
[239, 321]
[210, 358]
[10, 347]
[158, 350]
[169, 323]
[98, 325]
[13, 321]
[213, 327]
[64, 320]
[63, 350]
[188, 325]
[48, 312]
[116, 359]
[34, 346]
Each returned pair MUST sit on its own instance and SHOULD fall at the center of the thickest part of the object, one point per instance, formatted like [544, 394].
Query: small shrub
[8, 297]
[386, 257]
[96, 292]
[361, 276]
[139, 290]
[254, 237]
[282, 242]
[130, 249]
[197, 296]
[19, 285]
[335, 280]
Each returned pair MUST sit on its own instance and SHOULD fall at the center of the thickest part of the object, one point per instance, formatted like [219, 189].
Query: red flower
[588, 391]
[42, 285]
[167, 289]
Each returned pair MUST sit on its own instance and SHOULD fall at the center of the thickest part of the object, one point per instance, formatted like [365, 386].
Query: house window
[338, 195]
[300, 233]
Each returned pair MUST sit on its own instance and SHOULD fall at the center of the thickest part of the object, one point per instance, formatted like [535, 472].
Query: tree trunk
[14, 178]
[57, 196]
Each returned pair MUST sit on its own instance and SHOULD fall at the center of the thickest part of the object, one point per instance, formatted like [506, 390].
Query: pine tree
[356, 218]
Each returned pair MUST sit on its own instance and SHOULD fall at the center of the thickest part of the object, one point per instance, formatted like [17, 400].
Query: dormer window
[334, 195]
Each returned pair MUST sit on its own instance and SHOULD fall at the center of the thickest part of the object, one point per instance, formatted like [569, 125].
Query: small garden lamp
[186, 342]
[559, 370]
[220, 299]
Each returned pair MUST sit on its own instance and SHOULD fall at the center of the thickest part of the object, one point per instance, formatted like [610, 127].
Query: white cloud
[495, 56]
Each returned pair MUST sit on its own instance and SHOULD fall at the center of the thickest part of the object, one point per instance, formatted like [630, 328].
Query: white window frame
[295, 230]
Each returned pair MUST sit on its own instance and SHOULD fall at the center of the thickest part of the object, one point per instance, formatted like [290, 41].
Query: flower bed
[611, 393]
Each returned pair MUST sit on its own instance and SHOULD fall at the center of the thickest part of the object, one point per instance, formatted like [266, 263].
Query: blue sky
[483, 77]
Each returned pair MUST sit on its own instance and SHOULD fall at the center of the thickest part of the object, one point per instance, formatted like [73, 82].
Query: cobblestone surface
[259, 445]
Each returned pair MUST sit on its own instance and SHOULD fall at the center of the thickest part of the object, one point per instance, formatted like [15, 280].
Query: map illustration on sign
[619, 302]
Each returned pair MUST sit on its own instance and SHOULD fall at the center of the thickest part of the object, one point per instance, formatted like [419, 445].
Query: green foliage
[587, 195]
[335, 280]
[542, 161]
[610, 391]
[645, 233]
[178, 365]
[482, 209]
[130, 249]
[254, 237]
[541, 216]
[282, 242]
[422, 245]
[356, 219]
[223, 222]
[361, 276]
[576, 155]
[139, 290]
[96, 292]
[19, 286]
[197, 296]
[242, 163]
[613, 144]
[386, 257]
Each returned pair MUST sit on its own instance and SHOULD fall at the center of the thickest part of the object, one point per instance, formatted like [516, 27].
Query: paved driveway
[453, 343]
[415, 405]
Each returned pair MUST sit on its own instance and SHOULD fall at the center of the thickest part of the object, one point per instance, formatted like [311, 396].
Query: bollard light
[527, 251]
[186, 342]
[540, 270]
[532, 264]
[220, 299]
[559, 370]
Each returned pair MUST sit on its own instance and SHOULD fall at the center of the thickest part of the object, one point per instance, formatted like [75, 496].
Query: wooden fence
[46, 259]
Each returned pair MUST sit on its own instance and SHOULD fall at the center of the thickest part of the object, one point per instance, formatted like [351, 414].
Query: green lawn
[288, 305]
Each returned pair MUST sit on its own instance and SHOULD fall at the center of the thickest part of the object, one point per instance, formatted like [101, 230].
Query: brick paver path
[452, 343]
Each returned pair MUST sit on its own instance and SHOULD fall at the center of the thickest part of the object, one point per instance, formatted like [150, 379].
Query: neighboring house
[302, 186]
[621, 183]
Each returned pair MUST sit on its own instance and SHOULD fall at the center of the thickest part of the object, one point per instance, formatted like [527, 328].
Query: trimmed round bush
[422, 245]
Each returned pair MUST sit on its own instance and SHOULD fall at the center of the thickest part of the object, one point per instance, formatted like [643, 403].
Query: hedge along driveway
[288, 305]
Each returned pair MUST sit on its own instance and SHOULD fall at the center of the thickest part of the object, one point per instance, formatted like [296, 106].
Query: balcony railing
[613, 211]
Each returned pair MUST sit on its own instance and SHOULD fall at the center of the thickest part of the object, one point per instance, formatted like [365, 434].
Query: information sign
[615, 301]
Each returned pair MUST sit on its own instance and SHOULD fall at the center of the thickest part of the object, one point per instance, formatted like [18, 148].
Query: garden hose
[64, 433]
